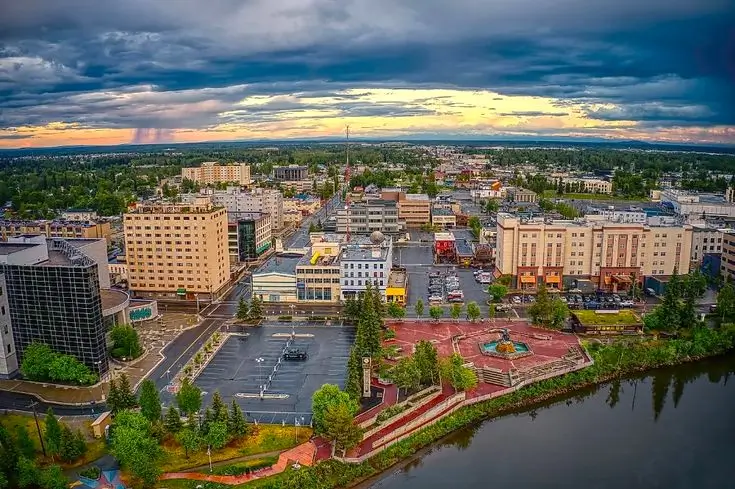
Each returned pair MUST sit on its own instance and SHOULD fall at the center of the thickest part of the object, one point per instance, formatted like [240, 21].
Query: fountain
[505, 347]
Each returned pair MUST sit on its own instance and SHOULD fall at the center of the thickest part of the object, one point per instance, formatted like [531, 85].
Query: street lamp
[260, 361]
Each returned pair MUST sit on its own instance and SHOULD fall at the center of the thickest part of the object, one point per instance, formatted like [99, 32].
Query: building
[558, 253]
[397, 290]
[177, 250]
[118, 269]
[694, 206]
[317, 275]
[367, 217]
[304, 206]
[79, 215]
[248, 235]
[705, 241]
[443, 218]
[522, 195]
[366, 260]
[414, 209]
[55, 229]
[233, 199]
[290, 173]
[590, 185]
[727, 263]
[275, 281]
[444, 250]
[210, 173]
[622, 216]
[56, 291]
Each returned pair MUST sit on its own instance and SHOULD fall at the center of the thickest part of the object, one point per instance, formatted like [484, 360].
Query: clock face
[365, 361]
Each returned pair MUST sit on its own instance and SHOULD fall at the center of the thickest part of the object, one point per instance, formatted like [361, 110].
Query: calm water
[674, 429]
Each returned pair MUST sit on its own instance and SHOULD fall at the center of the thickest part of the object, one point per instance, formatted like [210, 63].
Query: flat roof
[363, 253]
[417, 197]
[10, 248]
[463, 247]
[397, 278]
[441, 212]
[595, 318]
[112, 298]
[285, 263]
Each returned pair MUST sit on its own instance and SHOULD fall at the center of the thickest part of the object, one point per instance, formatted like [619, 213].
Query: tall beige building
[210, 173]
[609, 254]
[177, 250]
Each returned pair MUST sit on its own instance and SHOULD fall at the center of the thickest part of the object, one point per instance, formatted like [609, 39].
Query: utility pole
[38, 427]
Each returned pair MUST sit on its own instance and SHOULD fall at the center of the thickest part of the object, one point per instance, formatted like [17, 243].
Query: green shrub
[92, 472]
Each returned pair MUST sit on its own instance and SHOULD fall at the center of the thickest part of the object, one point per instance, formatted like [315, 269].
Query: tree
[217, 434]
[475, 226]
[427, 361]
[237, 425]
[125, 342]
[189, 440]
[726, 301]
[341, 428]
[455, 311]
[459, 376]
[113, 398]
[497, 291]
[135, 448]
[473, 311]
[9, 459]
[41, 363]
[419, 307]
[368, 333]
[70, 449]
[406, 374]
[189, 398]
[353, 385]
[559, 313]
[24, 443]
[396, 311]
[127, 398]
[52, 477]
[352, 308]
[329, 395]
[540, 310]
[492, 206]
[173, 422]
[256, 308]
[150, 402]
[219, 408]
[27, 473]
[243, 312]
[52, 434]
[436, 312]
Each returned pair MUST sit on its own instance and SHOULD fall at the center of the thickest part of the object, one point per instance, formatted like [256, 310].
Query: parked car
[294, 354]
[436, 299]
[515, 299]
[627, 304]
[502, 307]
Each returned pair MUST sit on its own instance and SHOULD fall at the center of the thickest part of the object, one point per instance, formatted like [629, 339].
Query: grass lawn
[268, 438]
[622, 317]
[95, 448]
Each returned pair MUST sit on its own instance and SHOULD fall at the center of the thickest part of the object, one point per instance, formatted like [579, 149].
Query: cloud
[150, 66]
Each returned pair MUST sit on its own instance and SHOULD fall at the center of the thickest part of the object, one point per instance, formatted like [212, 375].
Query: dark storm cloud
[656, 60]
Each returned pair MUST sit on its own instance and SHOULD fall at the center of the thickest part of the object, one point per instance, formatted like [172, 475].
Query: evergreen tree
[70, 449]
[256, 308]
[52, 434]
[127, 397]
[150, 402]
[368, 327]
[81, 442]
[173, 422]
[419, 308]
[243, 312]
[237, 425]
[353, 385]
[219, 408]
[113, 398]
[24, 443]
[207, 421]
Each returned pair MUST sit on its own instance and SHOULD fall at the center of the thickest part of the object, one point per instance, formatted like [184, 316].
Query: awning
[528, 279]
[552, 279]
[622, 279]
[608, 280]
[181, 291]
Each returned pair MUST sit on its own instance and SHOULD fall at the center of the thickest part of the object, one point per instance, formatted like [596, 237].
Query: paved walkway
[303, 454]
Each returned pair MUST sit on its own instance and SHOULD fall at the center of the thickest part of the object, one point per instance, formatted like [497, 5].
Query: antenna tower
[347, 182]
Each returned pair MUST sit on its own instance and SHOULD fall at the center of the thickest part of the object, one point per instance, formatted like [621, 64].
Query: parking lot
[581, 301]
[236, 373]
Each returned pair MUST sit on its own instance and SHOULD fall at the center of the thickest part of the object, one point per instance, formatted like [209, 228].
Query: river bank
[624, 358]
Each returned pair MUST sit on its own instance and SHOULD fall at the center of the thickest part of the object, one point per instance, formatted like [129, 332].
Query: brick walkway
[303, 454]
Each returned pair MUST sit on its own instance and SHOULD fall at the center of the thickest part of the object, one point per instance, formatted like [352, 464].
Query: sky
[98, 72]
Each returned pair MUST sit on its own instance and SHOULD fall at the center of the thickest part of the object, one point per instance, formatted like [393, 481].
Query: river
[672, 429]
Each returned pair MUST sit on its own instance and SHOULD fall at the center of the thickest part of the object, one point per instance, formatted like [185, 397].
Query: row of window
[360, 283]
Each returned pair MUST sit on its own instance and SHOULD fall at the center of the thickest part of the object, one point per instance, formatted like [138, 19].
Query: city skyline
[93, 74]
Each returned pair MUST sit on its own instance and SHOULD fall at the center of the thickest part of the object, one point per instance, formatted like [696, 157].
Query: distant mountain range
[434, 140]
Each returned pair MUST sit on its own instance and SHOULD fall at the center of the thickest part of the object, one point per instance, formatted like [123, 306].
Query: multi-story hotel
[727, 263]
[210, 173]
[249, 235]
[265, 200]
[591, 185]
[366, 260]
[609, 254]
[55, 229]
[56, 292]
[177, 249]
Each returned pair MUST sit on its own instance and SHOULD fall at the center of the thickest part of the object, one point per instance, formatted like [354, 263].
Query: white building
[694, 206]
[364, 260]
[234, 199]
[622, 216]
[705, 241]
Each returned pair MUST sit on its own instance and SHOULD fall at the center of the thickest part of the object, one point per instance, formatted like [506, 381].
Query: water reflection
[641, 432]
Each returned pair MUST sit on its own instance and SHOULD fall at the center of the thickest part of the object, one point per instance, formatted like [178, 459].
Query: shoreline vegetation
[622, 358]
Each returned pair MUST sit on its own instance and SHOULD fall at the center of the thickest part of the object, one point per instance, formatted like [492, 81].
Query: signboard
[141, 314]
[366, 371]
